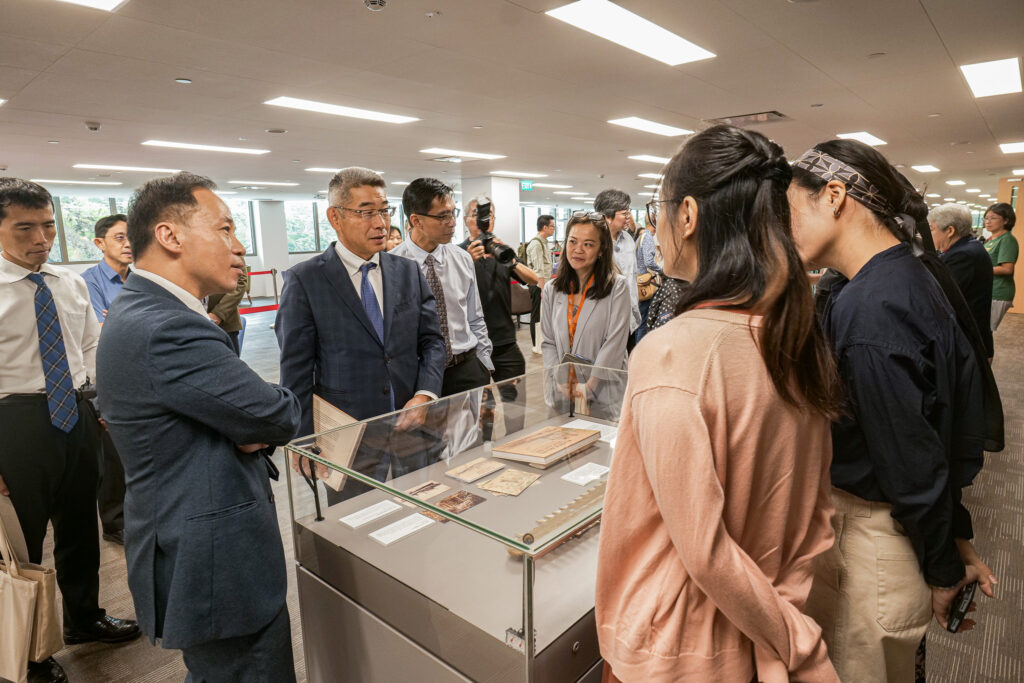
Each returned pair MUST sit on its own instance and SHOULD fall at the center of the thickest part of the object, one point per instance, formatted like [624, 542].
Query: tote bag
[43, 627]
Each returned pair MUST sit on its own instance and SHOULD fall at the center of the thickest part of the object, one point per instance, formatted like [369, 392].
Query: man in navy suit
[193, 423]
[358, 327]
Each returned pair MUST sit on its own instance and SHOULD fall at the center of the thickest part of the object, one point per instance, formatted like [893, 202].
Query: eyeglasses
[370, 214]
[446, 217]
[593, 216]
[652, 210]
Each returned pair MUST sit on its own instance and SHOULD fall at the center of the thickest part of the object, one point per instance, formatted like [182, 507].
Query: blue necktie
[60, 391]
[373, 313]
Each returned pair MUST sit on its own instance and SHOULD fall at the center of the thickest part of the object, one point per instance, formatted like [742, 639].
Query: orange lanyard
[574, 319]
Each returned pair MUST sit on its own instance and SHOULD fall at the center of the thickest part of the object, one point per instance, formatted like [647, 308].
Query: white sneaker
[537, 350]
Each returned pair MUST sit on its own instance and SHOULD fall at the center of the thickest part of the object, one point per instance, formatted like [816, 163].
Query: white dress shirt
[21, 366]
[625, 258]
[467, 329]
[352, 265]
[180, 293]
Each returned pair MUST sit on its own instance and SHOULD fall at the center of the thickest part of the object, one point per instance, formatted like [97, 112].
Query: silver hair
[956, 215]
[347, 179]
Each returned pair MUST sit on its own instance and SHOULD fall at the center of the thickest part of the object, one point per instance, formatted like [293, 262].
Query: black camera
[503, 254]
[483, 216]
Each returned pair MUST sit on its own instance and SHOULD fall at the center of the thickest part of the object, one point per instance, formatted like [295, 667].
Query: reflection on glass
[79, 216]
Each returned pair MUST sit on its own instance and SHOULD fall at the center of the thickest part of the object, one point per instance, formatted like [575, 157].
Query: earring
[835, 214]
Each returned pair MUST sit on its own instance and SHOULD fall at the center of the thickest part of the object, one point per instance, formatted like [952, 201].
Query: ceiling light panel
[261, 182]
[141, 169]
[651, 158]
[204, 148]
[338, 110]
[105, 5]
[973, 190]
[933, 194]
[618, 25]
[458, 153]
[1018, 171]
[926, 168]
[73, 182]
[1012, 147]
[637, 123]
[655, 176]
[520, 174]
[993, 78]
[863, 136]
[955, 182]
[2, 102]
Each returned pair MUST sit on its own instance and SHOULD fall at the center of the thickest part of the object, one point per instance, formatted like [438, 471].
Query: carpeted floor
[992, 652]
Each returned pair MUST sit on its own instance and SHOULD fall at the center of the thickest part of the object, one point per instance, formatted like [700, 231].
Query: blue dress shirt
[104, 286]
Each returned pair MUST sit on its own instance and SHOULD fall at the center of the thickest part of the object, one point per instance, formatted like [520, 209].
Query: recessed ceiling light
[999, 77]
[457, 153]
[973, 190]
[656, 176]
[205, 148]
[400, 182]
[949, 199]
[955, 182]
[863, 136]
[934, 115]
[142, 169]
[926, 168]
[338, 110]
[637, 123]
[74, 182]
[520, 174]
[933, 194]
[571, 194]
[960, 201]
[1012, 147]
[652, 187]
[261, 182]
[1017, 171]
[646, 194]
[552, 185]
[320, 169]
[984, 196]
[618, 25]
[2, 102]
[1013, 180]
[651, 158]
[106, 5]
[53, 142]
[183, 81]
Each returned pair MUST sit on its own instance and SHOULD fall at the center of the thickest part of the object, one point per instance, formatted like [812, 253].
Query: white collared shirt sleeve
[475, 317]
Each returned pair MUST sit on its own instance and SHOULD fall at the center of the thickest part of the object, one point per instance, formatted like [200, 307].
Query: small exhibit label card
[586, 474]
[367, 515]
[400, 529]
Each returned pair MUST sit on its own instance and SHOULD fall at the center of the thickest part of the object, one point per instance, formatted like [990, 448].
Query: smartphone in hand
[961, 603]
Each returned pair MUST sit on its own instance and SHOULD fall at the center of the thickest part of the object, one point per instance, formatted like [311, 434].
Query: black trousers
[52, 476]
[508, 363]
[469, 374]
[262, 657]
[535, 297]
[234, 343]
[111, 490]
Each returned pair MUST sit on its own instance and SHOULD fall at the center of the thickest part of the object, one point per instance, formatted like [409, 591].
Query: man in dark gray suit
[358, 327]
[193, 423]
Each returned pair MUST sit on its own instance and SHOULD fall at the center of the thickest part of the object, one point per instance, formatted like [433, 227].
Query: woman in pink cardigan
[718, 497]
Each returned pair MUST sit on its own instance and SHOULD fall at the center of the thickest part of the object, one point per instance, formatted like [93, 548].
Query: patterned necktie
[370, 304]
[442, 308]
[60, 391]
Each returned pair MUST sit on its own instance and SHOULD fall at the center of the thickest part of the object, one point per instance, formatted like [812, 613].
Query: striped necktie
[60, 391]
[442, 308]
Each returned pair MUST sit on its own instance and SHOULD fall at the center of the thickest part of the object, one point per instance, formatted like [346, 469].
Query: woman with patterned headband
[913, 434]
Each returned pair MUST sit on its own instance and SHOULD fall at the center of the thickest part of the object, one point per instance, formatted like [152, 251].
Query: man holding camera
[495, 264]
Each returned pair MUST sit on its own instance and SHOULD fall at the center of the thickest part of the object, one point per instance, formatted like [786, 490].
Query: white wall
[504, 192]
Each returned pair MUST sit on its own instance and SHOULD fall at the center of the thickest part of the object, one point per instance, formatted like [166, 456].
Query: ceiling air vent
[760, 118]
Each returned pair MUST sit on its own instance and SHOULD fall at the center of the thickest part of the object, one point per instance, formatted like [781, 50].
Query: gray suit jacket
[203, 547]
[600, 333]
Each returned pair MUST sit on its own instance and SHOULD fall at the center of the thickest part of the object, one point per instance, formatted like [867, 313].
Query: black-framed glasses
[446, 217]
[370, 214]
[652, 210]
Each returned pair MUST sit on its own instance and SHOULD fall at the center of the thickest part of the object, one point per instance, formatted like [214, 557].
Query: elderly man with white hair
[967, 261]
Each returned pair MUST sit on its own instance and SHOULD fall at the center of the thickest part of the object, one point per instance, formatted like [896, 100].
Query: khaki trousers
[869, 595]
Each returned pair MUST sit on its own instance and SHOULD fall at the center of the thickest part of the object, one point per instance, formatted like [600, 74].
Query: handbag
[647, 284]
[29, 617]
[521, 301]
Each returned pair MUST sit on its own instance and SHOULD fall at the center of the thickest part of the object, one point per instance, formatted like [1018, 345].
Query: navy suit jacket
[329, 347]
[202, 542]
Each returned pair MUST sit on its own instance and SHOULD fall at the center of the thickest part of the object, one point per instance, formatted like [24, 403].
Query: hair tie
[777, 170]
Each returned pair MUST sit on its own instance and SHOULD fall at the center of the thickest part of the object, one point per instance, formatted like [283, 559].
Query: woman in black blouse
[913, 434]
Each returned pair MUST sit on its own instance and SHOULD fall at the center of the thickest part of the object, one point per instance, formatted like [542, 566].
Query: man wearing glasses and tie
[357, 325]
[49, 459]
[450, 273]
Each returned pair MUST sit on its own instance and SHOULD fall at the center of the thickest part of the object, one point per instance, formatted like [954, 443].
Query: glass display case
[457, 541]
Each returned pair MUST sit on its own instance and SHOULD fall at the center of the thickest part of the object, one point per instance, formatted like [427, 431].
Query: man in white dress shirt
[49, 461]
[450, 273]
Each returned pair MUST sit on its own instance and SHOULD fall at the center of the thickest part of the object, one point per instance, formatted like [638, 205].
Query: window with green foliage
[78, 216]
[325, 232]
[300, 226]
[241, 212]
